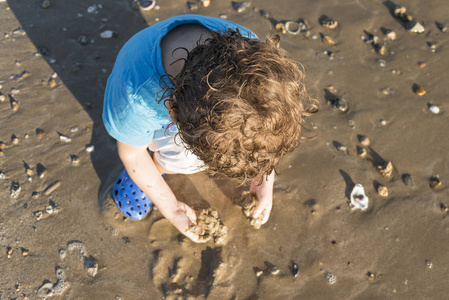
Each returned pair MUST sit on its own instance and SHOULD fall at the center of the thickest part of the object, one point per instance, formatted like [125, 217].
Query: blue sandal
[129, 198]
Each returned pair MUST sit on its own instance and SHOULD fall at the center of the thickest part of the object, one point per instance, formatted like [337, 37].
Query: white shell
[292, 27]
[434, 109]
[358, 198]
[416, 27]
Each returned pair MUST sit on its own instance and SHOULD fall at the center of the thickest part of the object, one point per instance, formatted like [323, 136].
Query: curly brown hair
[239, 104]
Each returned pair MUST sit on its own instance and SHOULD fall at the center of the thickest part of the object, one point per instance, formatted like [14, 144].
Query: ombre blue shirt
[131, 113]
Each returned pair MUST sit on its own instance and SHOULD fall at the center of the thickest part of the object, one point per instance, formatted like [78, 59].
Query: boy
[203, 93]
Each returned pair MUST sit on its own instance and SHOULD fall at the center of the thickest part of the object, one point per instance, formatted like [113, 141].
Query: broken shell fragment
[381, 49]
[90, 148]
[295, 269]
[281, 28]
[401, 12]
[415, 26]
[382, 190]
[435, 182]
[241, 6]
[364, 140]
[327, 39]
[14, 190]
[391, 35]
[441, 26]
[358, 198]
[147, 5]
[386, 170]
[107, 34]
[420, 91]
[330, 277]
[361, 151]
[434, 109]
[327, 22]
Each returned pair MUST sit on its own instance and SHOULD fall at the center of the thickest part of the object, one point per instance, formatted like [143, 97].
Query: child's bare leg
[264, 194]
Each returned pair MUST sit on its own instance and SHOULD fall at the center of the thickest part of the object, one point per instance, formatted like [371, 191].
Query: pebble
[441, 26]
[192, 6]
[83, 40]
[386, 170]
[14, 190]
[75, 159]
[107, 34]
[408, 180]
[383, 122]
[435, 182]
[90, 148]
[205, 3]
[434, 109]
[382, 190]
[241, 6]
[41, 170]
[40, 133]
[330, 277]
[65, 138]
[358, 198]
[45, 4]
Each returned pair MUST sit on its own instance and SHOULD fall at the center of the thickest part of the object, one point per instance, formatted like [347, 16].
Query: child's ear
[275, 40]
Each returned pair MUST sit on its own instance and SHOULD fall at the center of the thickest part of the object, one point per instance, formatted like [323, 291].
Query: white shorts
[173, 156]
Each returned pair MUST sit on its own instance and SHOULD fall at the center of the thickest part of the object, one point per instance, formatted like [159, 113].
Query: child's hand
[185, 220]
[264, 195]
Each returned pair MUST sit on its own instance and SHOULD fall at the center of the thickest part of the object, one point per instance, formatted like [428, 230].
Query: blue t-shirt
[131, 113]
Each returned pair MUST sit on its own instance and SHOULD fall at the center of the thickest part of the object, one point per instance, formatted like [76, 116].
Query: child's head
[239, 104]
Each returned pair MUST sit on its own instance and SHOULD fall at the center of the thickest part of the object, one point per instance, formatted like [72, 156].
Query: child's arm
[143, 171]
[264, 194]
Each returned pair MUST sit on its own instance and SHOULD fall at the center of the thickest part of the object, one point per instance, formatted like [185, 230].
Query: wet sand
[397, 248]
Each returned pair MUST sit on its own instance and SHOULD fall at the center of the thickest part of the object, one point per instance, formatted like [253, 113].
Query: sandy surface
[397, 248]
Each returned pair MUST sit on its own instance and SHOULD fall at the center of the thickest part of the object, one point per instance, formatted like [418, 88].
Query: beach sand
[396, 249]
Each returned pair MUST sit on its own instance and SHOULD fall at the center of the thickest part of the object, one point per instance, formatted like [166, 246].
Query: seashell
[358, 198]
[90, 148]
[2, 97]
[275, 270]
[363, 140]
[38, 214]
[51, 82]
[415, 26]
[443, 207]
[422, 64]
[14, 139]
[192, 6]
[64, 138]
[399, 10]
[408, 180]
[74, 159]
[434, 109]
[91, 9]
[25, 252]
[391, 35]
[386, 170]
[91, 266]
[14, 190]
[342, 148]
[330, 277]
[62, 253]
[281, 27]
[46, 290]
[2, 145]
[295, 269]
[292, 27]
[241, 6]
[327, 39]
[40, 133]
[381, 49]
[205, 3]
[41, 170]
[51, 188]
[339, 104]
[14, 104]
[382, 190]
[435, 182]
[428, 263]
[361, 151]
[419, 90]
[259, 273]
